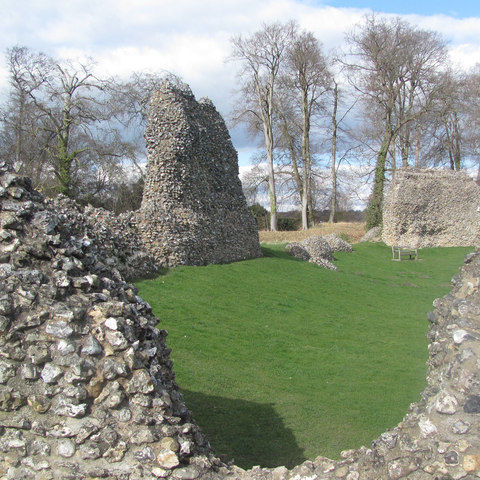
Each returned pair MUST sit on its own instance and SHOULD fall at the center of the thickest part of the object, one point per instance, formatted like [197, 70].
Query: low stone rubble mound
[314, 249]
[373, 235]
[296, 249]
[318, 247]
[337, 243]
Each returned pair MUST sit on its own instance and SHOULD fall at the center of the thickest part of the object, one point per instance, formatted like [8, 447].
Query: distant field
[354, 230]
[280, 360]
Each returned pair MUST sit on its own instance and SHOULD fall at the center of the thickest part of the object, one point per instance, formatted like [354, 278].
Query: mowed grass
[280, 360]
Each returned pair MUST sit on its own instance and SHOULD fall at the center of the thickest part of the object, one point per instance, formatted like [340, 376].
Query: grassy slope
[280, 360]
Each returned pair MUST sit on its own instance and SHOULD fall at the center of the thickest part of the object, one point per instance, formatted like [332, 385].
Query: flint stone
[446, 404]
[68, 409]
[59, 329]
[426, 426]
[186, 473]
[145, 455]
[160, 472]
[460, 427]
[472, 405]
[451, 458]
[66, 448]
[51, 373]
[459, 336]
[167, 459]
[141, 382]
[39, 403]
[64, 347]
[91, 346]
[7, 371]
[142, 435]
[116, 340]
[169, 443]
[116, 454]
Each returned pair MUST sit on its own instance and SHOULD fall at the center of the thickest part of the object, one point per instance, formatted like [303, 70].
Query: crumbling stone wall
[87, 389]
[431, 208]
[123, 251]
[193, 210]
[86, 384]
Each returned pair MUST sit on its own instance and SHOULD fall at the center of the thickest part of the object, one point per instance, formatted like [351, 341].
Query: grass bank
[281, 360]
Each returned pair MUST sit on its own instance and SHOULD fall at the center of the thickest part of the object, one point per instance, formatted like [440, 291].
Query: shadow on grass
[247, 432]
[279, 252]
[162, 271]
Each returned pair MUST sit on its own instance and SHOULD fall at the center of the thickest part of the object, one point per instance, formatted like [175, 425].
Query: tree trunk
[311, 211]
[64, 158]
[306, 160]
[457, 153]
[271, 179]
[333, 201]
[374, 209]
[19, 128]
[296, 173]
[417, 149]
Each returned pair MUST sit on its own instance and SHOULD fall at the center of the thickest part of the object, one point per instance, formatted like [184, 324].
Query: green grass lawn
[280, 360]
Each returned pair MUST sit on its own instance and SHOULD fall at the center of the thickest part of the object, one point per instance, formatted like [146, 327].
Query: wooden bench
[400, 252]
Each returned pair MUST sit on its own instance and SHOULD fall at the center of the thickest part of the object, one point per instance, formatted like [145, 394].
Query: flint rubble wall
[431, 208]
[193, 209]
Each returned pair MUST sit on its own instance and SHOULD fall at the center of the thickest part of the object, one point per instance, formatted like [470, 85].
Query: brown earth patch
[354, 231]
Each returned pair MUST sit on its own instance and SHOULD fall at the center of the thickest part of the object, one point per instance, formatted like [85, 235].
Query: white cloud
[188, 37]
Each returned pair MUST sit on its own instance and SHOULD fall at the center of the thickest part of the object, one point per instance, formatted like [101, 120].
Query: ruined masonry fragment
[193, 209]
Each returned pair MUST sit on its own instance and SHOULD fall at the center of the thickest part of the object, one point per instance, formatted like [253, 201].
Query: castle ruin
[431, 208]
[193, 210]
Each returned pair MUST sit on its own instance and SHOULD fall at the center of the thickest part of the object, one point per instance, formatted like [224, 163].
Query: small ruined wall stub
[193, 210]
[431, 208]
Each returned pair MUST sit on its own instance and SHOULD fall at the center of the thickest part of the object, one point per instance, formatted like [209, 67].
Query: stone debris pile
[431, 208]
[337, 243]
[319, 250]
[193, 209]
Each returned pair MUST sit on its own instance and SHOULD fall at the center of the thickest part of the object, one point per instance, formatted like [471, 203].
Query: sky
[191, 38]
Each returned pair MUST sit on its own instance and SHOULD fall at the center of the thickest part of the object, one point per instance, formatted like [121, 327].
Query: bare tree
[22, 138]
[128, 103]
[260, 56]
[393, 66]
[308, 77]
[71, 131]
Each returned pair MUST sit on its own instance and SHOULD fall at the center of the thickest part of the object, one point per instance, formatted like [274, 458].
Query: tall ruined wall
[87, 389]
[193, 210]
[429, 208]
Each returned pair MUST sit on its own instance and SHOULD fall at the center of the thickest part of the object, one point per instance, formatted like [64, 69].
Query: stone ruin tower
[431, 208]
[193, 210]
